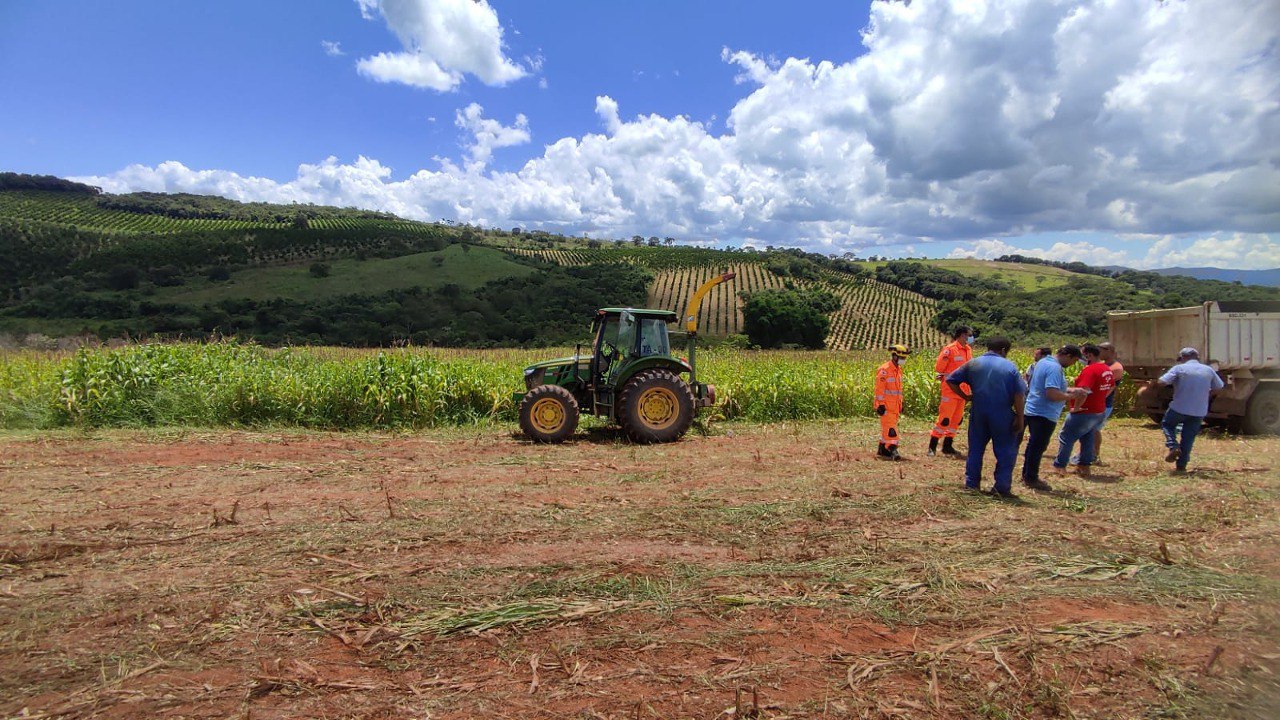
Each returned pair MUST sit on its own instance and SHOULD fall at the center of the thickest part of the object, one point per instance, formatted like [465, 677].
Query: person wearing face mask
[889, 400]
[951, 406]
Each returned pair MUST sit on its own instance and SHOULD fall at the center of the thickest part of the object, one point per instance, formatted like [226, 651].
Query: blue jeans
[996, 429]
[1190, 428]
[1078, 427]
[1039, 433]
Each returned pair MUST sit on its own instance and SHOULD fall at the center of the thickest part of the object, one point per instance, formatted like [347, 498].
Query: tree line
[1077, 309]
[551, 307]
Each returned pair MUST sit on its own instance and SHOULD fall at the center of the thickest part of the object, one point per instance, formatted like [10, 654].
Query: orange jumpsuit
[951, 406]
[889, 394]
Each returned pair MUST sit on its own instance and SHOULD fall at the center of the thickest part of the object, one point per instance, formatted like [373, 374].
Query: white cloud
[963, 120]
[1240, 251]
[331, 48]
[1079, 251]
[486, 134]
[443, 41]
[1236, 250]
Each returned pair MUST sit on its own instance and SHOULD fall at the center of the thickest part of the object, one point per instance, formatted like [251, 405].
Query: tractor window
[653, 337]
[610, 332]
[627, 333]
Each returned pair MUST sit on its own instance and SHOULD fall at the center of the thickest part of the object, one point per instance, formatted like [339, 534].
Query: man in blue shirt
[1047, 396]
[995, 417]
[1194, 385]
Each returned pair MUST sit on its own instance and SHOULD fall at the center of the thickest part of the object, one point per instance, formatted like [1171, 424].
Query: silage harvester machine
[631, 377]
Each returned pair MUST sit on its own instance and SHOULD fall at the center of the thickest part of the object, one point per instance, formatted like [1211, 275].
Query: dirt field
[762, 571]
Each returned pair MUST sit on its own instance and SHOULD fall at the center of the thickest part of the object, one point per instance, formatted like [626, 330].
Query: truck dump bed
[1235, 336]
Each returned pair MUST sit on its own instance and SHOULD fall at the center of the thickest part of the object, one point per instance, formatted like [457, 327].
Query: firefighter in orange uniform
[951, 406]
[889, 400]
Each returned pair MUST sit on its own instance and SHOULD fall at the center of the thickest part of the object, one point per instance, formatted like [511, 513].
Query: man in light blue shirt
[995, 416]
[1048, 395]
[1194, 384]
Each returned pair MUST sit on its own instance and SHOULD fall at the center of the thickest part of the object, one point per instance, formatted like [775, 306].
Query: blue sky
[247, 85]
[951, 127]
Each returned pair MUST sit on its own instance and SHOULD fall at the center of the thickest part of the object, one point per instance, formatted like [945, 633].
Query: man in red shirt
[1086, 415]
[951, 406]
[1117, 374]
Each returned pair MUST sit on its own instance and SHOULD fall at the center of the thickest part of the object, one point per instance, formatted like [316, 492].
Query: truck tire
[655, 406]
[1263, 414]
[548, 414]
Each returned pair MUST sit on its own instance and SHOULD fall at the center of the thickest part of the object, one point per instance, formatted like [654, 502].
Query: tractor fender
[651, 363]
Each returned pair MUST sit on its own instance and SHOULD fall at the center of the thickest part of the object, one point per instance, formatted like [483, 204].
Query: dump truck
[1241, 340]
[630, 377]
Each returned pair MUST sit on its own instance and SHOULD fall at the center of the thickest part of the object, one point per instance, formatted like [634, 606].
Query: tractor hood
[558, 362]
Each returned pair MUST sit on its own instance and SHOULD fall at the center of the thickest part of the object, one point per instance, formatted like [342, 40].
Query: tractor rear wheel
[548, 414]
[655, 406]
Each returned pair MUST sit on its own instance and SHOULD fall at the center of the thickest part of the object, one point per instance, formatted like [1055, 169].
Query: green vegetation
[1076, 309]
[801, 318]
[1025, 276]
[81, 262]
[233, 384]
[469, 267]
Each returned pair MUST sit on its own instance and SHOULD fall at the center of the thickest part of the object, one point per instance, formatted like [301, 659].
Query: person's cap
[899, 350]
[1188, 352]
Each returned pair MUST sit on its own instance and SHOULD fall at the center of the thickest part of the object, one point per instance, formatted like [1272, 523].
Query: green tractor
[631, 377]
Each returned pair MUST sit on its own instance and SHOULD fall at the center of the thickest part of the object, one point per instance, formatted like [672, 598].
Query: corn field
[236, 385]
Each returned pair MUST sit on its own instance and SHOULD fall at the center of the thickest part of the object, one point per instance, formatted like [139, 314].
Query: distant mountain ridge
[1267, 278]
[1270, 278]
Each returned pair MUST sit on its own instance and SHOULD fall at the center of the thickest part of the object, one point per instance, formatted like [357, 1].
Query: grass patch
[467, 266]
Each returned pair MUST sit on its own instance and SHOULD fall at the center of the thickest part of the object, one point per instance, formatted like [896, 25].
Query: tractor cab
[624, 335]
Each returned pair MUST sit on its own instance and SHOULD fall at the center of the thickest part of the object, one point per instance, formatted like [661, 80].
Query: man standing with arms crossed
[951, 406]
[1194, 385]
[998, 394]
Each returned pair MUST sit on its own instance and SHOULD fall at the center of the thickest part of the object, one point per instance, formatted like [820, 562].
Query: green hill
[1025, 276]
[467, 266]
[81, 261]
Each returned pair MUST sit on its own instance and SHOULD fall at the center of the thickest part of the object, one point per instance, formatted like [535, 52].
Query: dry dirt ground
[758, 571]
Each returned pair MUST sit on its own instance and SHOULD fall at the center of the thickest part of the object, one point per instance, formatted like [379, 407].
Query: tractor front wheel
[655, 406]
[548, 414]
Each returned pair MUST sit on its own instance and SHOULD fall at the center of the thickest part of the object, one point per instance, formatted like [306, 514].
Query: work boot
[933, 446]
[948, 448]
[1037, 484]
[893, 453]
[1174, 454]
[882, 451]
